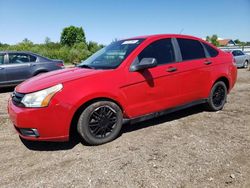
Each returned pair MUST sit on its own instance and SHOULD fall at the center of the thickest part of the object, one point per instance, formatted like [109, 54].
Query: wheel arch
[225, 80]
[40, 71]
[79, 110]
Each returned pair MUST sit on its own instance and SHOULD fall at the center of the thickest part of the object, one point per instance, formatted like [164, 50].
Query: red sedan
[129, 80]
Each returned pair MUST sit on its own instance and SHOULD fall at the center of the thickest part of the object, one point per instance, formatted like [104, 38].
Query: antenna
[181, 31]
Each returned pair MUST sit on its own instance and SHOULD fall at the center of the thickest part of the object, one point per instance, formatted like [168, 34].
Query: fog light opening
[29, 132]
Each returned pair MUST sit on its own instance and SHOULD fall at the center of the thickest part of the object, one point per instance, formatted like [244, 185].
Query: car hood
[53, 78]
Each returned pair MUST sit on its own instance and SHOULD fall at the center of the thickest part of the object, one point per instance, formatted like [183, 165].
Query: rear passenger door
[195, 69]
[18, 67]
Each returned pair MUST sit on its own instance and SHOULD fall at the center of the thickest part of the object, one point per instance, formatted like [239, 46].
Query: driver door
[154, 89]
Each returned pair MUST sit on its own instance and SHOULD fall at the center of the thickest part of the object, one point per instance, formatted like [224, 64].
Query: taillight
[60, 65]
[234, 61]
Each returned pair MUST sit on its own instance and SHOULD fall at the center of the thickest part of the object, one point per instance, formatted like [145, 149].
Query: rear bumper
[41, 124]
[233, 76]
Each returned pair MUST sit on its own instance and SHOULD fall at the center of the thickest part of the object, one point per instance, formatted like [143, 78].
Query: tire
[218, 96]
[245, 64]
[100, 122]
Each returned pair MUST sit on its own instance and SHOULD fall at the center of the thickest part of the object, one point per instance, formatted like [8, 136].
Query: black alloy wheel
[218, 96]
[100, 122]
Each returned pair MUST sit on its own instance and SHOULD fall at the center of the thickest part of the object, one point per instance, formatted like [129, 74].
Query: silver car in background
[17, 66]
[242, 59]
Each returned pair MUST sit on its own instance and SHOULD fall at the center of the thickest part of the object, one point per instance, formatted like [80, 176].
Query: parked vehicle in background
[129, 80]
[15, 67]
[242, 60]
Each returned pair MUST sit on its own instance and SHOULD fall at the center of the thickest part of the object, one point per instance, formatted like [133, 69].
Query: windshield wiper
[85, 66]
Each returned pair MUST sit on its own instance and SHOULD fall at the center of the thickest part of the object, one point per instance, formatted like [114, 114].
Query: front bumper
[42, 124]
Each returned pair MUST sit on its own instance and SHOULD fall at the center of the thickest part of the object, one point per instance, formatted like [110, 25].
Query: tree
[26, 41]
[208, 39]
[47, 40]
[72, 35]
[93, 46]
[213, 39]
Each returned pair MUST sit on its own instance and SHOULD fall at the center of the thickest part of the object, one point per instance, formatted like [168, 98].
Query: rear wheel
[100, 122]
[218, 96]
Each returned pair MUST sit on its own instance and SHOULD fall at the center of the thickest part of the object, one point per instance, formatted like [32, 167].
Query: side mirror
[145, 63]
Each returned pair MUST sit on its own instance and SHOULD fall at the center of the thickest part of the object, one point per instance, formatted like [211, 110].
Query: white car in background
[242, 60]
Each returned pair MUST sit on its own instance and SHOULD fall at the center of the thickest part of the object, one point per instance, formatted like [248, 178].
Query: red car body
[137, 93]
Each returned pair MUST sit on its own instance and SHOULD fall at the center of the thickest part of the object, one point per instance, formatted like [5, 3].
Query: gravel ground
[190, 148]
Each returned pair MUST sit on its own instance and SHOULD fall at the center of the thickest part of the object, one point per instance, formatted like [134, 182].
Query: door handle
[171, 69]
[207, 62]
[1, 68]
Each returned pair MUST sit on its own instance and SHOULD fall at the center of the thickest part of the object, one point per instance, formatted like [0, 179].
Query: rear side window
[191, 49]
[162, 50]
[212, 52]
[32, 58]
[1, 59]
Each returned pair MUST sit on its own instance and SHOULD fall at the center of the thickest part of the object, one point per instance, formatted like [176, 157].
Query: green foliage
[237, 41]
[72, 35]
[93, 46]
[240, 43]
[70, 55]
[72, 49]
[213, 39]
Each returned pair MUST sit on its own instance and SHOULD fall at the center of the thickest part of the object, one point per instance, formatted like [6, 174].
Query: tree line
[214, 40]
[72, 47]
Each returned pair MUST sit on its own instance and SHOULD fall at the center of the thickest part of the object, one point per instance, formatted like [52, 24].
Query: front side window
[191, 49]
[111, 56]
[162, 50]
[1, 59]
[18, 58]
[235, 53]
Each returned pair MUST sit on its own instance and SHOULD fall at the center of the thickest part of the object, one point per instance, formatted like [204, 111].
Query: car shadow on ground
[163, 119]
[75, 140]
[51, 146]
[6, 89]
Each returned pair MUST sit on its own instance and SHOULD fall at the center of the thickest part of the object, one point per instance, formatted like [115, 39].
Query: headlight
[41, 98]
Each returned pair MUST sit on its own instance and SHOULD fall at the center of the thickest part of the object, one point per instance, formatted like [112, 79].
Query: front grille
[17, 98]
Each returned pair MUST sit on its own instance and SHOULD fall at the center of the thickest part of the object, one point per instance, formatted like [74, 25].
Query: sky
[106, 20]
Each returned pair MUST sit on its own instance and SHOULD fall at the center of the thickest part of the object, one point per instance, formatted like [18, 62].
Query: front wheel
[100, 122]
[218, 96]
[246, 64]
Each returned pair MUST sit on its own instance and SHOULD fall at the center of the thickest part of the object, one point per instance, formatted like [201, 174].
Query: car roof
[163, 36]
[233, 50]
[14, 51]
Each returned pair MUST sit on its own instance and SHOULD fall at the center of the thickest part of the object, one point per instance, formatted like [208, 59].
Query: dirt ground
[190, 148]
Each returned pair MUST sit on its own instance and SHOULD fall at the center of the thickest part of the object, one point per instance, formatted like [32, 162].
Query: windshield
[112, 55]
